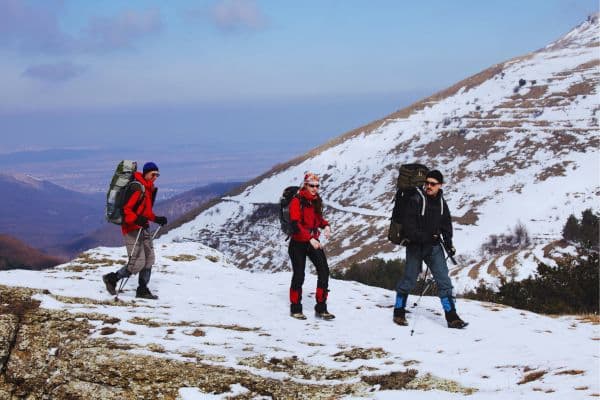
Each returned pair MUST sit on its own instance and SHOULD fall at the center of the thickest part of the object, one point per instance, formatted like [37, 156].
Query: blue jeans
[434, 257]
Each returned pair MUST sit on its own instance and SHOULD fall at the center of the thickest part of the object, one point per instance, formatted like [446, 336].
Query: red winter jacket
[308, 221]
[144, 208]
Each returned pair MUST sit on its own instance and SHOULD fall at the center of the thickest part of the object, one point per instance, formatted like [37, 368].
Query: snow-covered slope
[516, 142]
[213, 313]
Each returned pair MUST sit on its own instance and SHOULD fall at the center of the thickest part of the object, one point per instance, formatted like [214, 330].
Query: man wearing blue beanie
[137, 212]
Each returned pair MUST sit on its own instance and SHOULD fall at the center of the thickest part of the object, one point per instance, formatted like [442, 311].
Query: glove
[141, 221]
[435, 237]
[451, 251]
[161, 220]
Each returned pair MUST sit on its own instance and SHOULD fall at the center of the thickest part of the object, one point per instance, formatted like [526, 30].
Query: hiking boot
[298, 315]
[110, 281]
[144, 293]
[457, 324]
[321, 311]
[454, 321]
[400, 316]
[326, 315]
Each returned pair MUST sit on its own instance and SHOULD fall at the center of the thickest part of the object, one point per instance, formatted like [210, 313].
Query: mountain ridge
[517, 130]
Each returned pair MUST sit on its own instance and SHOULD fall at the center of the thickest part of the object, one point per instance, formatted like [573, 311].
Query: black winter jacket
[421, 221]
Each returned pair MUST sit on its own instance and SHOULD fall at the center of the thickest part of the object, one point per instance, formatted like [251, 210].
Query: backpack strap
[302, 201]
[423, 201]
[131, 190]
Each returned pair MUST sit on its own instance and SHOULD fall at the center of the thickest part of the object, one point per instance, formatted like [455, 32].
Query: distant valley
[61, 222]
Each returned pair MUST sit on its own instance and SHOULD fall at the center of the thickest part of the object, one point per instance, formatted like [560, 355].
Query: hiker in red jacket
[137, 212]
[306, 216]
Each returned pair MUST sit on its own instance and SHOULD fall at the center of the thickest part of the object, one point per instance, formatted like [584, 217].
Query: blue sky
[90, 55]
[245, 73]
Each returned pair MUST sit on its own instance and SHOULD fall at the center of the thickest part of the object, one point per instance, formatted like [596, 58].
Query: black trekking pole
[429, 283]
[416, 303]
[448, 253]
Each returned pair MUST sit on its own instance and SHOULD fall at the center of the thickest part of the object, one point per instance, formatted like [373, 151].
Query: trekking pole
[429, 283]
[412, 331]
[448, 253]
[124, 281]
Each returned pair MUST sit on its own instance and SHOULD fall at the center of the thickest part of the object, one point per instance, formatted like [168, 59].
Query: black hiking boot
[400, 316]
[296, 311]
[454, 321]
[321, 312]
[326, 315]
[144, 293]
[111, 280]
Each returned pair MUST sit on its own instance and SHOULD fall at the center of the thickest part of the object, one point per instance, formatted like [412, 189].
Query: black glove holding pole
[141, 221]
[450, 250]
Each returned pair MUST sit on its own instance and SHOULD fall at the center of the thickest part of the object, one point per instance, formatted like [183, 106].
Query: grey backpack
[120, 189]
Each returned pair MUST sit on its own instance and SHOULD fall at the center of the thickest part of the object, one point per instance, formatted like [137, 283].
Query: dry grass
[359, 353]
[593, 319]
[80, 268]
[581, 89]
[144, 321]
[88, 258]
[107, 330]
[570, 372]
[469, 218]
[156, 348]
[297, 368]
[532, 376]
[197, 332]
[212, 258]
[182, 257]
[430, 382]
[493, 269]
[552, 171]
[392, 381]
[511, 261]
[474, 272]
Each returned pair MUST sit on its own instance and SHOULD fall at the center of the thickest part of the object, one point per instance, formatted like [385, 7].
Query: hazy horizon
[221, 90]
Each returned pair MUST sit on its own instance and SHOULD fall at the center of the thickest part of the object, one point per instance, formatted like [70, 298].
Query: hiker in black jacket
[426, 222]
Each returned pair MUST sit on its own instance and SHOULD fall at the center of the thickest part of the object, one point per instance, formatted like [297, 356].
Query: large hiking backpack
[284, 209]
[120, 189]
[411, 176]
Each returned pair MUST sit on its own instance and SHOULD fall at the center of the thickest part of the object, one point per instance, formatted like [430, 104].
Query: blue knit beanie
[149, 167]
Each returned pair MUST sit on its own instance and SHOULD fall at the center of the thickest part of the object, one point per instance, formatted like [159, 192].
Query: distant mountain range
[64, 222]
[43, 214]
[16, 254]
[173, 208]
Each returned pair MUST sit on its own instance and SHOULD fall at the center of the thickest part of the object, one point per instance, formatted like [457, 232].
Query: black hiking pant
[298, 252]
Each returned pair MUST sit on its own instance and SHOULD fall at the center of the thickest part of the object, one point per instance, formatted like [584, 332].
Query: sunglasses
[156, 174]
[312, 186]
[430, 183]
